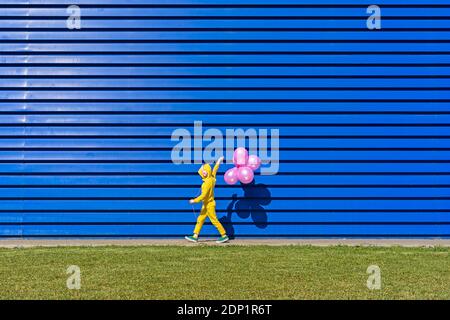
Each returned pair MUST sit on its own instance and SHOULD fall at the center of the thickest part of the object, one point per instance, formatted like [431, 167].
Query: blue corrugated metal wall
[86, 115]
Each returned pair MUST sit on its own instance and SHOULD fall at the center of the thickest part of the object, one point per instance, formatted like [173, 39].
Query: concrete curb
[24, 243]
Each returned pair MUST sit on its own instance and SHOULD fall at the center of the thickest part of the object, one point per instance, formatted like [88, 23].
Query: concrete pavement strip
[29, 243]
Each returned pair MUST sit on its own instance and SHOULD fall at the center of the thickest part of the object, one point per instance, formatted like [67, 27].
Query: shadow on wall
[250, 205]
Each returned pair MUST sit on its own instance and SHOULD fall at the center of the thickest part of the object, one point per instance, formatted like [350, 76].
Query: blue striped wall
[86, 116]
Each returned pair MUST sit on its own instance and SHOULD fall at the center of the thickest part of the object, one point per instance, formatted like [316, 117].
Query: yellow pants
[210, 212]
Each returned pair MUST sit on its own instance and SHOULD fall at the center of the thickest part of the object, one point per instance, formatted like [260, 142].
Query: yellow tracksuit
[207, 196]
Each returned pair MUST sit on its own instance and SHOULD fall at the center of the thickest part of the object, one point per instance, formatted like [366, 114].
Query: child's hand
[191, 201]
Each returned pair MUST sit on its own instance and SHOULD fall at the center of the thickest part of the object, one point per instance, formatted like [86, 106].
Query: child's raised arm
[216, 167]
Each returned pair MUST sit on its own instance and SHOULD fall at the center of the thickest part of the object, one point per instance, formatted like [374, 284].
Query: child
[209, 205]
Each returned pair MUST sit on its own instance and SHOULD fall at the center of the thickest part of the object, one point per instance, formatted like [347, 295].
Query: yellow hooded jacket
[208, 184]
[207, 196]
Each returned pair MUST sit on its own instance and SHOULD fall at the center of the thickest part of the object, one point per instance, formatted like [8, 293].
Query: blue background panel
[86, 116]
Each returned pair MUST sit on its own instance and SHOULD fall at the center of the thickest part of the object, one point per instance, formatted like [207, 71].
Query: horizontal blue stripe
[232, 12]
[165, 155]
[230, 59]
[123, 131]
[299, 230]
[225, 120]
[227, 47]
[180, 180]
[155, 205]
[241, 35]
[206, 71]
[261, 193]
[222, 84]
[219, 2]
[124, 168]
[226, 107]
[318, 23]
[235, 217]
[288, 143]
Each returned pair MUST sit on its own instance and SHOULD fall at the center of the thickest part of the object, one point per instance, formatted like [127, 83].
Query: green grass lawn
[225, 272]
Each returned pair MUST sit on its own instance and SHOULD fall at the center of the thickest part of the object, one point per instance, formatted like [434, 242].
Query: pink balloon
[231, 176]
[253, 162]
[240, 157]
[245, 175]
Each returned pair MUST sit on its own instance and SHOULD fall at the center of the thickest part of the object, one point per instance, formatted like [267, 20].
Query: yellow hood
[207, 168]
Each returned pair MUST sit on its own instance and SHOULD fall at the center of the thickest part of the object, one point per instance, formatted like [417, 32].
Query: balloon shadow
[250, 205]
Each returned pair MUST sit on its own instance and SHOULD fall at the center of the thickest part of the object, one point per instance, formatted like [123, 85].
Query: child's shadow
[250, 205]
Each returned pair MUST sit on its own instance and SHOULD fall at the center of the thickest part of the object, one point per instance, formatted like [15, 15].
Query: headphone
[204, 172]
